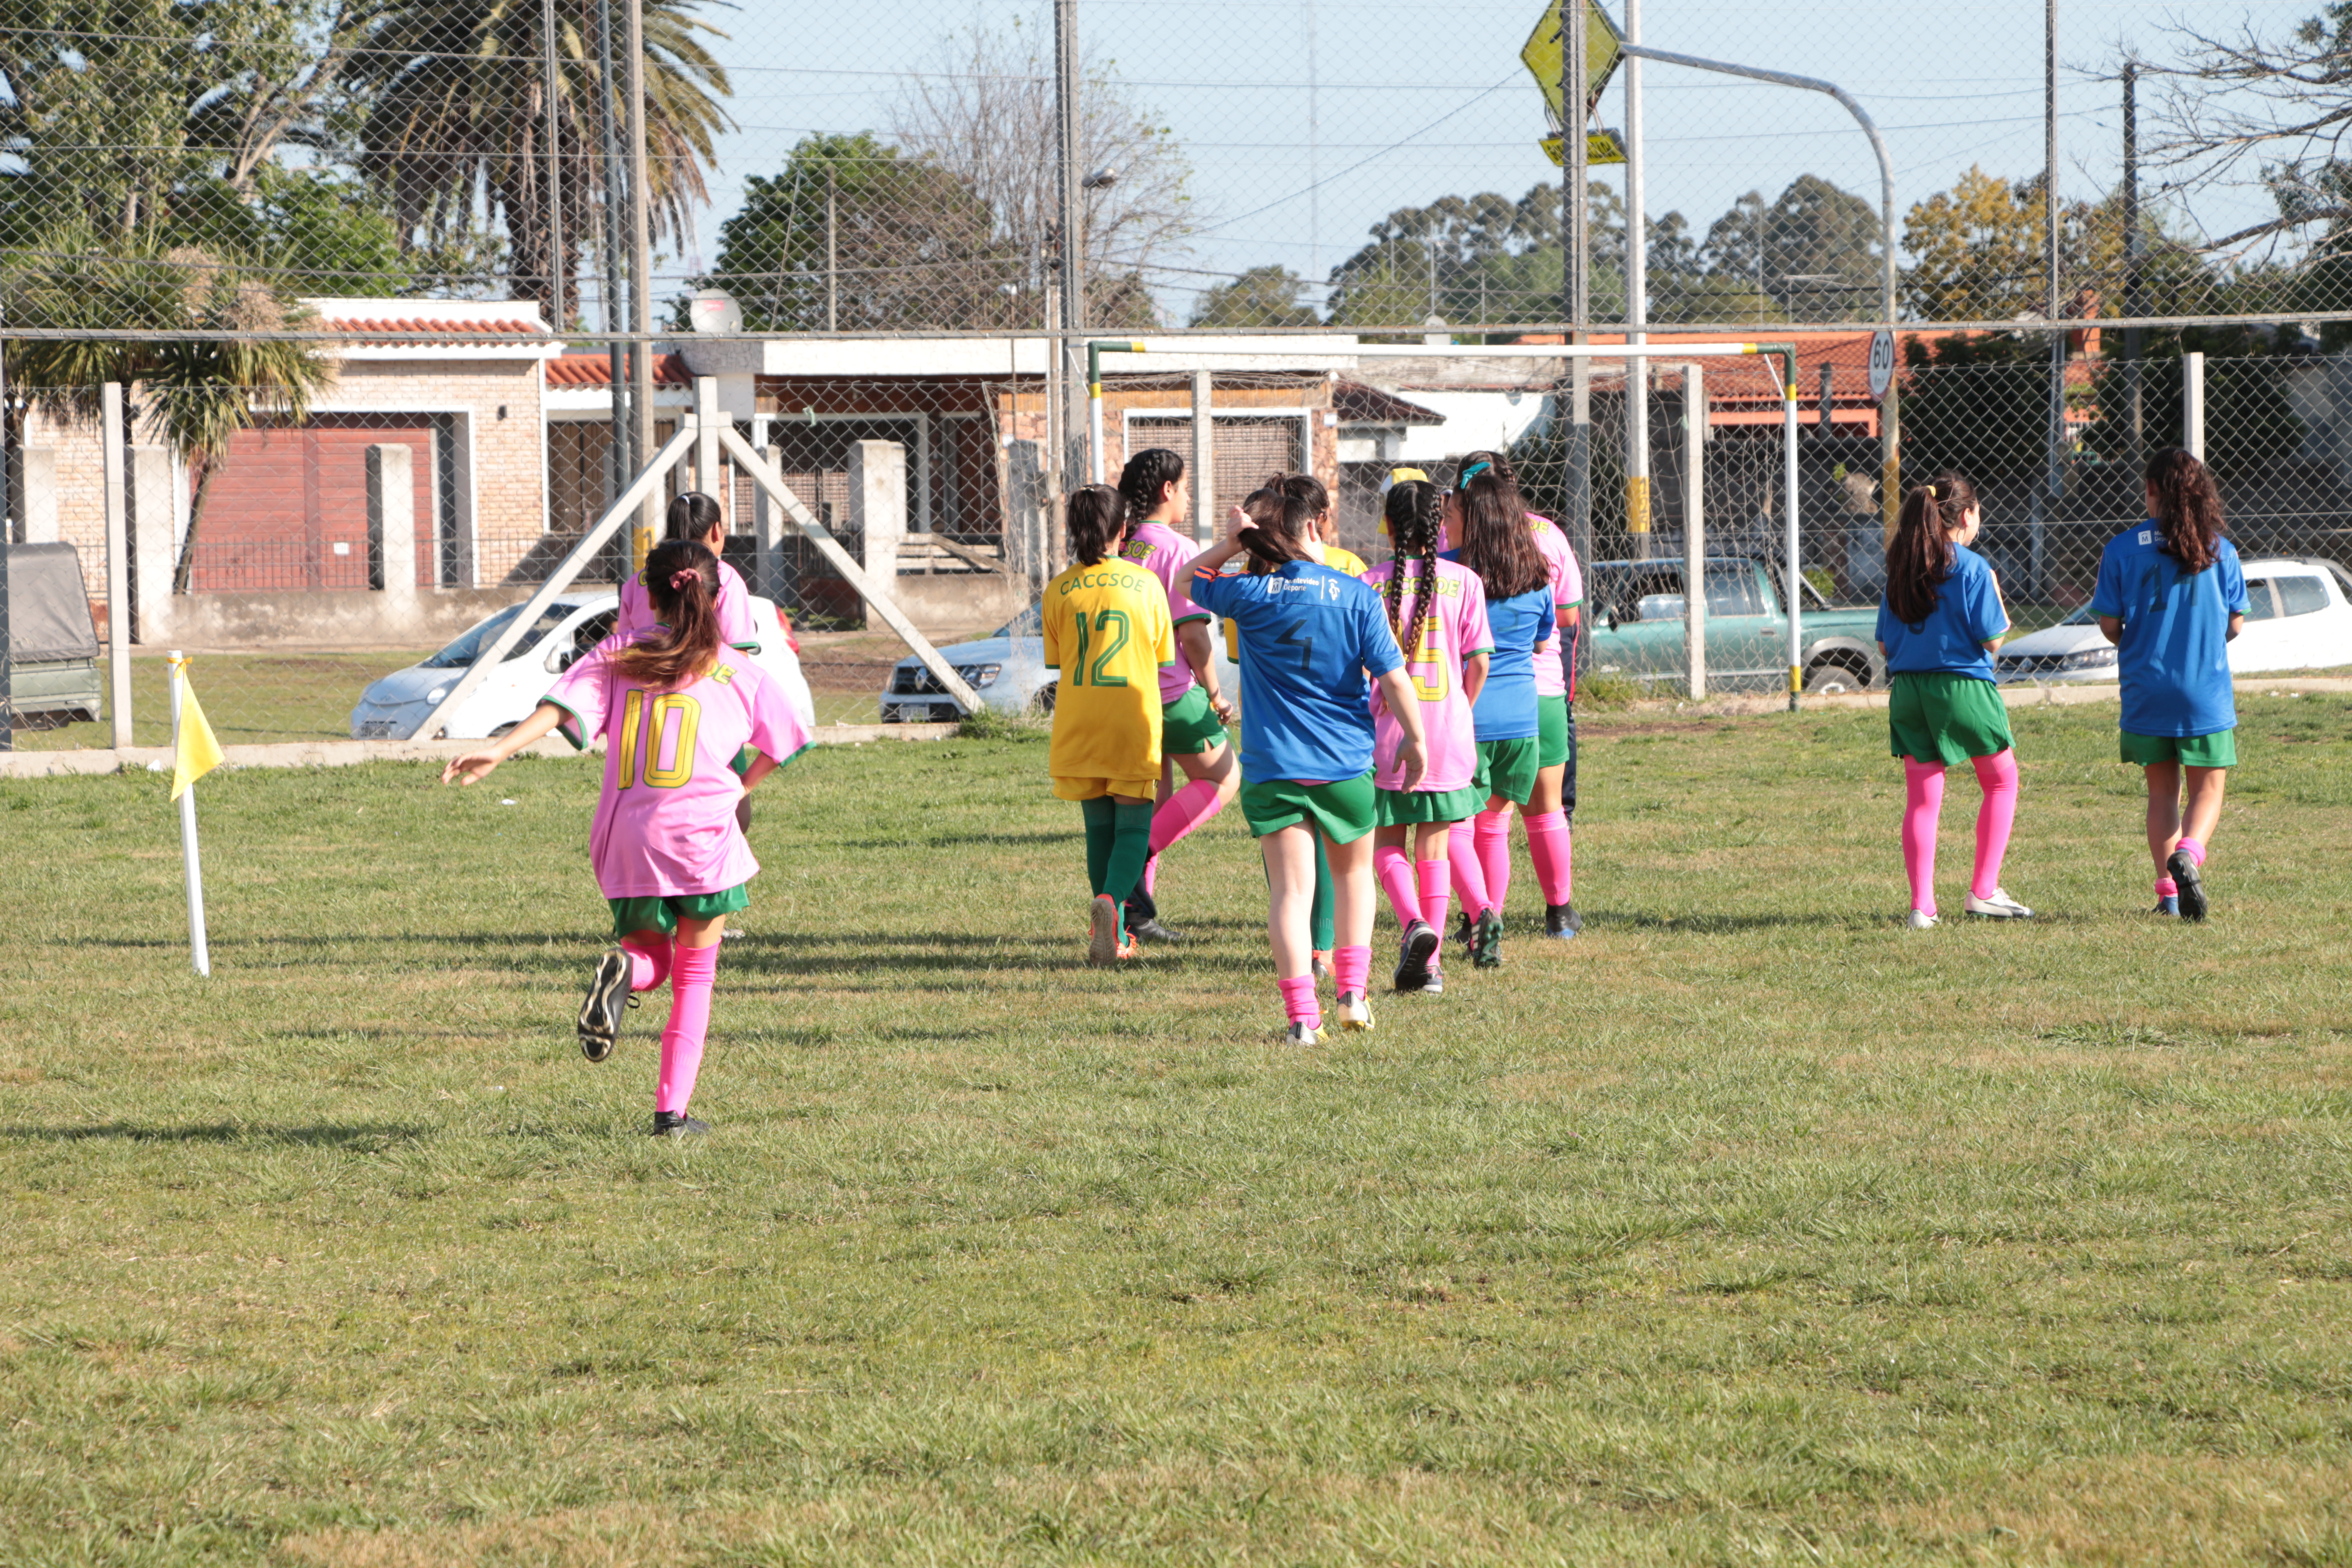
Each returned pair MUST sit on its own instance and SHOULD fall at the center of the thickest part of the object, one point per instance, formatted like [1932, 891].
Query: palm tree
[456, 105]
[196, 394]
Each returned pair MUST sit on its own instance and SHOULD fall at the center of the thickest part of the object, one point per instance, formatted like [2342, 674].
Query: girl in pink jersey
[1193, 712]
[675, 710]
[1486, 482]
[694, 516]
[1438, 612]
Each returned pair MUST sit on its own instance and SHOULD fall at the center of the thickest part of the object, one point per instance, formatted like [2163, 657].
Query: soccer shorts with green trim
[1935, 716]
[1508, 769]
[1189, 726]
[662, 914]
[1553, 740]
[1405, 807]
[1342, 811]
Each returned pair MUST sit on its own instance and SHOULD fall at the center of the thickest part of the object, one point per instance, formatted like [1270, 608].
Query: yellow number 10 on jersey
[649, 720]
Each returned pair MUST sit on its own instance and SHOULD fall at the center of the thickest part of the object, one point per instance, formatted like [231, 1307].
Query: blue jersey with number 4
[1309, 636]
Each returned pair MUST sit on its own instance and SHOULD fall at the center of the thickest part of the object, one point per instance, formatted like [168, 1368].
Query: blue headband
[1462, 481]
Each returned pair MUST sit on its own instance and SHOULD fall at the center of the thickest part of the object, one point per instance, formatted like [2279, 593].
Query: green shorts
[1508, 768]
[1343, 810]
[1401, 807]
[1551, 731]
[1189, 726]
[661, 914]
[1938, 717]
[2217, 749]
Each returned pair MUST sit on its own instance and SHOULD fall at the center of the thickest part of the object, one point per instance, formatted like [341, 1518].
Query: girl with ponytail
[1192, 711]
[2171, 595]
[694, 518]
[675, 708]
[1437, 610]
[1940, 623]
[1108, 631]
[1309, 638]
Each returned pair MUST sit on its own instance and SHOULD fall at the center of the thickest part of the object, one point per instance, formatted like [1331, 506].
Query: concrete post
[118, 562]
[155, 550]
[1694, 426]
[878, 504]
[706, 444]
[2192, 405]
[1204, 473]
[40, 470]
[392, 528]
[767, 521]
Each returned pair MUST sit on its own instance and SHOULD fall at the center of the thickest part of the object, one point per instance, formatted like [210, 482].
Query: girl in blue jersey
[1308, 638]
[2170, 597]
[1497, 546]
[1939, 626]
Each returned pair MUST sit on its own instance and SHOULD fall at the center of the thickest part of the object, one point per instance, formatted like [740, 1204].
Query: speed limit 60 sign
[1882, 362]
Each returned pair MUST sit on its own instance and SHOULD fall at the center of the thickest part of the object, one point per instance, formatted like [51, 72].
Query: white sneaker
[1921, 920]
[1355, 1012]
[1304, 1035]
[1999, 907]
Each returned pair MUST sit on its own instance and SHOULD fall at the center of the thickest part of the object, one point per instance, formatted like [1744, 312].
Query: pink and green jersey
[666, 822]
[734, 608]
[1168, 555]
[1567, 589]
[1456, 629]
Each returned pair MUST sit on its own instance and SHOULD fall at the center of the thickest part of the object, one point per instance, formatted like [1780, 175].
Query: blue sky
[1414, 102]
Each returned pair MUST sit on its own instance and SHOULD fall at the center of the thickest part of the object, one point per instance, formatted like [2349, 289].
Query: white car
[2298, 616]
[572, 625]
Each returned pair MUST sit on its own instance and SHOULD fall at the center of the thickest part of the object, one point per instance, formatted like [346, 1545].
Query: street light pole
[1637, 301]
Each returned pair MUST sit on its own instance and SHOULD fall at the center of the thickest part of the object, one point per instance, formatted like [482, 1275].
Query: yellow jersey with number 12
[1108, 631]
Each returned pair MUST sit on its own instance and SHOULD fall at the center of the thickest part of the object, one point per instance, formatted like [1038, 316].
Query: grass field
[1751, 1228]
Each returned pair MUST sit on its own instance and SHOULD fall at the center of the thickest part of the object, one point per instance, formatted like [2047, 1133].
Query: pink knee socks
[1396, 880]
[1184, 811]
[2194, 850]
[1923, 802]
[1351, 970]
[1298, 1003]
[1493, 836]
[1433, 890]
[648, 967]
[1997, 776]
[1469, 877]
[1548, 847]
[692, 972]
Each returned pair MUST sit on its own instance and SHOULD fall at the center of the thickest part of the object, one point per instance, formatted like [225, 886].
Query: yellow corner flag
[196, 752]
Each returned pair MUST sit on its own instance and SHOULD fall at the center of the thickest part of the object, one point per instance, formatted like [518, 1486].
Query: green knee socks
[1119, 841]
[1320, 917]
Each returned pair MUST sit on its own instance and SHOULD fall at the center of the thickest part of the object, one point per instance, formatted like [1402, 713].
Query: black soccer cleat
[1561, 920]
[1413, 953]
[601, 1008]
[1487, 948]
[1147, 928]
[1466, 933]
[678, 1124]
[2185, 874]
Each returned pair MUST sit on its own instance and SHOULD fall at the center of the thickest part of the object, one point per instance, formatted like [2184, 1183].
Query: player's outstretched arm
[1404, 704]
[476, 766]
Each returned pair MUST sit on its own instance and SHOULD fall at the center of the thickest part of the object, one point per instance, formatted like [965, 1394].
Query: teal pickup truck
[1637, 628]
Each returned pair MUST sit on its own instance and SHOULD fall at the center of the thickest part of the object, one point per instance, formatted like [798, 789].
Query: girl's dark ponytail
[1095, 515]
[692, 515]
[1496, 541]
[1147, 474]
[1415, 514]
[2188, 507]
[1921, 558]
[682, 581]
[1282, 520]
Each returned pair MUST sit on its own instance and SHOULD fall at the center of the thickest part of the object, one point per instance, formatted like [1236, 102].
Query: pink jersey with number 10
[1456, 629]
[666, 822]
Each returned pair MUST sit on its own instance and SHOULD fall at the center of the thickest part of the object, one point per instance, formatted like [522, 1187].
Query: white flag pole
[199, 953]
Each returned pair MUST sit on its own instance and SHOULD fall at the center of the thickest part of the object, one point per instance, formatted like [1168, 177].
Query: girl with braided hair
[676, 707]
[1939, 624]
[1437, 609]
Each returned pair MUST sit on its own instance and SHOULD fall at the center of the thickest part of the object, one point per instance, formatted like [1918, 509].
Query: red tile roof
[596, 370]
[1361, 405]
[521, 327]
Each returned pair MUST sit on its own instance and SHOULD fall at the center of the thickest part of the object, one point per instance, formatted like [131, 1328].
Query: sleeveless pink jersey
[734, 608]
[1457, 628]
[1567, 588]
[666, 822]
[1168, 555]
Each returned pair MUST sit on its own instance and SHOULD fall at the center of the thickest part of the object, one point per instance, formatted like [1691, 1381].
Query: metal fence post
[2192, 405]
[118, 562]
[1694, 425]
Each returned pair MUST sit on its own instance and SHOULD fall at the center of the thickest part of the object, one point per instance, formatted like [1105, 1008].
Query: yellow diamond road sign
[1542, 57]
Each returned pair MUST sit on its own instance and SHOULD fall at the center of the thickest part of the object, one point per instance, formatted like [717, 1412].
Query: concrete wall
[341, 619]
[962, 603]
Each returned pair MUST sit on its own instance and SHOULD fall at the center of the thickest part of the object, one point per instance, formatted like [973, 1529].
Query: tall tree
[987, 119]
[1814, 252]
[1261, 297]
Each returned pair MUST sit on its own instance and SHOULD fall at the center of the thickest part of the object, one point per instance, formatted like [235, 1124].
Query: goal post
[1780, 359]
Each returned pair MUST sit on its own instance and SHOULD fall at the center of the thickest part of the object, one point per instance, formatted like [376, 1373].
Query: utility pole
[558, 258]
[1070, 137]
[620, 463]
[1637, 300]
[2135, 304]
[1577, 251]
[2046, 495]
[641, 292]
[832, 257]
[1314, 161]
